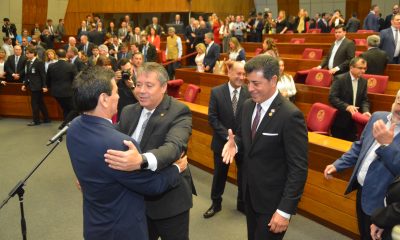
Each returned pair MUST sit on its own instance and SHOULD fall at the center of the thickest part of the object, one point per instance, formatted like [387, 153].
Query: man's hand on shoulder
[128, 160]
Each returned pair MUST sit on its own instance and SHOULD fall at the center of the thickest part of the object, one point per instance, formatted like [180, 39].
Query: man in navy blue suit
[113, 201]
[373, 170]
[389, 36]
[212, 52]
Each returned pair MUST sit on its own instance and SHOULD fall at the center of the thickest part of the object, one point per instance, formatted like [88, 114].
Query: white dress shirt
[354, 83]
[334, 50]
[397, 45]
[231, 89]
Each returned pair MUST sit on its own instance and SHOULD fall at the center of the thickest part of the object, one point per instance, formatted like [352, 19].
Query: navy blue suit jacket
[211, 56]
[113, 202]
[371, 22]
[387, 43]
[381, 172]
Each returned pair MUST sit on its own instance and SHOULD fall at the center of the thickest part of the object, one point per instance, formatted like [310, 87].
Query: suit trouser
[173, 228]
[257, 223]
[37, 105]
[171, 68]
[219, 181]
[66, 105]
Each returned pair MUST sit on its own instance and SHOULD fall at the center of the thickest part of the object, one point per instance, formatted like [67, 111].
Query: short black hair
[88, 85]
[32, 49]
[341, 26]
[268, 65]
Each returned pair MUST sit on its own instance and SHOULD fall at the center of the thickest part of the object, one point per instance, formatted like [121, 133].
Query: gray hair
[373, 40]
[209, 35]
[171, 29]
[103, 47]
[150, 67]
[268, 65]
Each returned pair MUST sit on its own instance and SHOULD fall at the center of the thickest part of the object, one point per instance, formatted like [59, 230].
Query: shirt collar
[267, 103]
[231, 88]
[340, 41]
[352, 77]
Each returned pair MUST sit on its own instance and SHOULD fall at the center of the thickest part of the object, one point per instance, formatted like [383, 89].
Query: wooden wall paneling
[34, 11]
[361, 7]
[290, 6]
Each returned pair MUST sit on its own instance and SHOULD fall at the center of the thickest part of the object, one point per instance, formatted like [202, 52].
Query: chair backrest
[257, 51]
[332, 30]
[319, 77]
[312, 54]
[297, 40]
[191, 93]
[361, 120]
[314, 30]
[320, 118]
[365, 31]
[161, 56]
[358, 53]
[376, 83]
[360, 42]
[173, 87]
[289, 32]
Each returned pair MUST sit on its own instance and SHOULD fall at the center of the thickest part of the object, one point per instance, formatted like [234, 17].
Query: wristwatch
[144, 163]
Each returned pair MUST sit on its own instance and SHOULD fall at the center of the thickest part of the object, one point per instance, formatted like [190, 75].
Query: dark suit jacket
[80, 33]
[275, 162]
[113, 202]
[324, 28]
[200, 32]
[35, 75]
[387, 43]
[128, 55]
[353, 25]
[188, 34]
[9, 29]
[48, 40]
[126, 96]
[389, 216]
[388, 21]
[79, 64]
[151, 53]
[381, 172]
[89, 48]
[211, 56]
[96, 37]
[376, 61]
[166, 136]
[220, 114]
[371, 22]
[341, 96]
[344, 54]
[60, 76]
[9, 68]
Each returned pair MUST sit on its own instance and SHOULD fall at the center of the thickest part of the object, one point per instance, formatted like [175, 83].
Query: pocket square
[270, 134]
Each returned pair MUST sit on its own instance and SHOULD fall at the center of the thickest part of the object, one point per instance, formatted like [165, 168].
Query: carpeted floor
[53, 205]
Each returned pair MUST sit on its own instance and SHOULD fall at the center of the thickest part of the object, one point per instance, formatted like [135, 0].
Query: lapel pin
[162, 114]
[270, 114]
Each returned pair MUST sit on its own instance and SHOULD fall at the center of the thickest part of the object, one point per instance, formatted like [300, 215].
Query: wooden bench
[322, 200]
[315, 38]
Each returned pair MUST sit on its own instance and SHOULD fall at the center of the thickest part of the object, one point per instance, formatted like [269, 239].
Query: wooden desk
[315, 37]
[322, 200]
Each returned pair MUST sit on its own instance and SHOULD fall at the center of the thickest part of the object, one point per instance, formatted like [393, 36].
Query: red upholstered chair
[314, 30]
[360, 120]
[257, 51]
[173, 87]
[319, 77]
[297, 40]
[161, 56]
[320, 118]
[289, 32]
[301, 75]
[332, 30]
[376, 83]
[360, 42]
[365, 31]
[191, 93]
[312, 54]
[358, 53]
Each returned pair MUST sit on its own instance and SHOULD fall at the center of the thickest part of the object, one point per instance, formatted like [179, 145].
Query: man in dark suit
[148, 50]
[376, 58]
[124, 53]
[95, 36]
[353, 24]
[72, 55]
[48, 39]
[340, 54]
[374, 169]
[388, 40]
[113, 202]
[35, 80]
[15, 66]
[371, 21]
[162, 125]
[212, 53]
[224, 112]
[159, 29]
[323, 24]
[83, 30]
[388, 18]
[9, 29]
[86, 46]
[348, 94]
[273, 138]
[200, 32]
[60, 76]
[189, 37]
[125, 86]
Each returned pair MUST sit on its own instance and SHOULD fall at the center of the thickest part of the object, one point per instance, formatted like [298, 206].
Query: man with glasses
[348, 94]
[374, 169]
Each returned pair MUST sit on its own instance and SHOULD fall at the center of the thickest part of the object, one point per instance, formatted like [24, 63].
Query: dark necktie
[234, 101]
[16, 63]
[256, 121]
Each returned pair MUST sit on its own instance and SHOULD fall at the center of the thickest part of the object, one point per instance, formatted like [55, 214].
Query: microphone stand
[19, 190]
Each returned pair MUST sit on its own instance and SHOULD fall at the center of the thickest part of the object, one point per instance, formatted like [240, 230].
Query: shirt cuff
[179, 169]
[283, 214]
[337, 68]
[152, 160]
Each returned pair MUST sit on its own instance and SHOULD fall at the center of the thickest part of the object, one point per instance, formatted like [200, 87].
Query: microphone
[61, 133]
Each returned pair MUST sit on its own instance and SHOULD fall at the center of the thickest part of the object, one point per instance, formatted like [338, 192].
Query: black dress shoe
[33, 124]
[211, 211]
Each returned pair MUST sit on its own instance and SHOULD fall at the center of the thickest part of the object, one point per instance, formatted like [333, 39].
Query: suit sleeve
[241, 56]
[176, 139]
[295, 140]
[390, 157]
[335, 93]
[350, 52]
[213, 119]
[387, 217]
[42, 73]
[325, 60]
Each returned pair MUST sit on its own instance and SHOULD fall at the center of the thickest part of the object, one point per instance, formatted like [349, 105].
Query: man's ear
[103, 100]
[274, 80]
